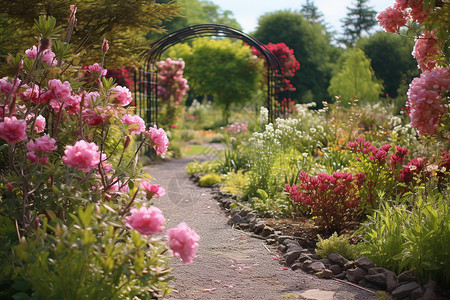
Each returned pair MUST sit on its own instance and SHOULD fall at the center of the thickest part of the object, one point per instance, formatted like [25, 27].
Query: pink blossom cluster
[39, 122]
[237, 128]
[47, 55]
[375, 154]
[183, 242]
[158, 139]
[8, 87]
[93, 73]
[122, 95]
[171, 81]
[426, 50]
[413, 170]
[13, 130]
[152, 190]
[331, 198]
[425, 100]
[96, 116]
[136, 122]
[38, 148]
[146, 220]
[398, 15]
[82, 155]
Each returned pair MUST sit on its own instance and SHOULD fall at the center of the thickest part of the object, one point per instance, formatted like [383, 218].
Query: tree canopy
[311, 12]
[355, 78]
[312, 48]
[123, 23]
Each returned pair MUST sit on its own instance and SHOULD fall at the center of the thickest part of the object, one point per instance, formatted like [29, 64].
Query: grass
[191, 150]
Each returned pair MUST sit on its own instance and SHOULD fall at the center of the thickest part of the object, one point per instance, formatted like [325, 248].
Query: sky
[246, 12]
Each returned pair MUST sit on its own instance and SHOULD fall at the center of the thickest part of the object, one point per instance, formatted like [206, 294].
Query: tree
[311, 12]
[311, 46]
[96, 19]
[360, 18]
[391, 59]
[225, 69]
[356, 78]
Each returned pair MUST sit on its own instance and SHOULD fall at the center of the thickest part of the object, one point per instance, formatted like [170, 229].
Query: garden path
[230, 264]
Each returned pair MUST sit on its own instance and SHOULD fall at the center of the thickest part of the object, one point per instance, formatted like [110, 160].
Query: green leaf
[21, 296]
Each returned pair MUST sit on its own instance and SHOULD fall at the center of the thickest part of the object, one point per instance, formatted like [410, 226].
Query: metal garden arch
[146, 80]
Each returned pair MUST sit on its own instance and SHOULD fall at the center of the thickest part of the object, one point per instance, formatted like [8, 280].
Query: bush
[205, 167]
[209, 180]
[336, 244]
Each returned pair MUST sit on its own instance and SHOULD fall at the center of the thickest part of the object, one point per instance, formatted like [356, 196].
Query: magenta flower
[82, 155]
[42, 144]
[94, 118]
[391, 19]
[152, 189]
[13, 130]
[158, 140]
[137, 122]
[183, 242]
[122, 95]
[146, 221]
[58, 93]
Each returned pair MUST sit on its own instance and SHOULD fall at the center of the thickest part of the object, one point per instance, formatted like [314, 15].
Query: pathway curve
[230, 264]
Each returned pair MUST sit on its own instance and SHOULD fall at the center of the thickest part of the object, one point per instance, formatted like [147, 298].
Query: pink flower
[49, 57]
[426, 51]
[94, 118]
[146, 221]
[137, 122]
[57, 94]
[391, 19]
[33, 157]
[13, 130]
[122, 95]
[424, 100]
[42, 144]
[32, 52]
[152, 189]
[30, 93]
[82, 155]
[158, 140]
[9, 86]
[183, 242]
[105, 46]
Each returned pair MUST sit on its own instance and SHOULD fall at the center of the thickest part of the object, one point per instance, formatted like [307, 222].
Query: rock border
[361, 272]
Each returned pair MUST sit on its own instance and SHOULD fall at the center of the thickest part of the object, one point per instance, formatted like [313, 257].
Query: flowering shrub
[72, 178]
[333, 199]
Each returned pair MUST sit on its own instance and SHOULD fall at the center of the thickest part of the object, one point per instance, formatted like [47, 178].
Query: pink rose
[49, 57]
[122, 95]
[13, 130]
[146, 221]
[57, 94]
[93, 118]
[137, 122]
[158, 140]
[42, 144]
[152, 189]
[183, 242]
[82, 155]
[39, 124]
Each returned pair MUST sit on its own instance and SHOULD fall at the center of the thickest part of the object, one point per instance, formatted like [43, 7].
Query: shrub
[205, 167]
[209, 180]
[336, 244]
[234, 183]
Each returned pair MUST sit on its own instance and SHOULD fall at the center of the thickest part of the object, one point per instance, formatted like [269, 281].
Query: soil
[230, 263]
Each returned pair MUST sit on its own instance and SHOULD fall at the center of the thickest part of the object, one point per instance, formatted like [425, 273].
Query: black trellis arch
[146, 79]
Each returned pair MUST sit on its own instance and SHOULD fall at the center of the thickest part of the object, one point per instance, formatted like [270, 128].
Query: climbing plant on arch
[146, 80]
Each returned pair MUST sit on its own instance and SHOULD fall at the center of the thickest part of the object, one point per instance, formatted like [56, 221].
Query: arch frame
[146, 79]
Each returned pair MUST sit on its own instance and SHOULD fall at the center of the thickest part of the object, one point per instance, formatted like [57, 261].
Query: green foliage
[311, 44]
[412, 234]
[96, 20]
[360, 18]
[70, 262]
[273, 207]
[391, 59]
[336, 244]
[205, 167]
[209, 180]
[234, 183]
[225, 69]
[355, 78]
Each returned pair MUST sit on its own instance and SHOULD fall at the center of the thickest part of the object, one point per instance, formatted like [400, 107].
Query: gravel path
[230, 264]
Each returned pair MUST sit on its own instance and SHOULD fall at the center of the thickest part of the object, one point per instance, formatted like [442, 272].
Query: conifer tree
[360, 18]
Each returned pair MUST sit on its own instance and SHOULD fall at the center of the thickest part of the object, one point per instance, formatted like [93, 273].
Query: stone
[350, 265]
[325, 274]
[267, 230]
[259, 228]
[316, 294]
[243, 225]
[405, 290]
[270, 241]
[306, 266]
[377, 279]
[304, 256]
[406, 276]
[282, 248]
[317, 267]
[336, 269]
[337, 259]
[236, 219]
[251, 217]
[325, 261]
[376, 270]
[417, 293]
[391, 281]
[243, 213]
[356, 275]
[291, 256]
[296, 266]
[283, 238]
[288, 241]
[364, 262]
[341, 276]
